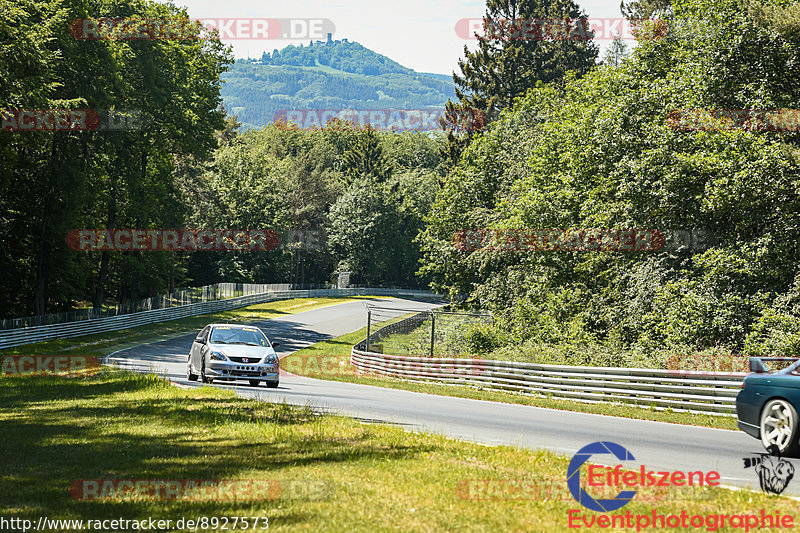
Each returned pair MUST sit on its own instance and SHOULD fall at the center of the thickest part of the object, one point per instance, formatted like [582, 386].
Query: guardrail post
[433, 326]
[369, 321]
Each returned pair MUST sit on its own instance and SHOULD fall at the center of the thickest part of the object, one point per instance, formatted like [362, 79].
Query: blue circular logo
[574, 476]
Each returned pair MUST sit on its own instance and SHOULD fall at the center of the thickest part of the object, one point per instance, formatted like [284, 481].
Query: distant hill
[329, 75]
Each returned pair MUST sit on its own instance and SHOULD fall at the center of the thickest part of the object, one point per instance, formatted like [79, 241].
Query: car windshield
[230, 335]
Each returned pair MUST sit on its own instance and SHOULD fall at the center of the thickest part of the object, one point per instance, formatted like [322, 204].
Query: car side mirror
[200, 340]
[275, 344]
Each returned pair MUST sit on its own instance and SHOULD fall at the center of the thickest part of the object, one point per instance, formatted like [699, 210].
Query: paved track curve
[659, 446]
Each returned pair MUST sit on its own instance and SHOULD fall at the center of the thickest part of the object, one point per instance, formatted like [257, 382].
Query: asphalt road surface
[658, 445]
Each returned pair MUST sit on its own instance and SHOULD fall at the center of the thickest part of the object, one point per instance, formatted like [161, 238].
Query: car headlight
[218, 356]
[270, 359]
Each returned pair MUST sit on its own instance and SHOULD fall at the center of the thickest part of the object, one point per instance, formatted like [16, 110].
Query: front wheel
[779, 427]
[254, 382]
[203, 377]
[272, 384]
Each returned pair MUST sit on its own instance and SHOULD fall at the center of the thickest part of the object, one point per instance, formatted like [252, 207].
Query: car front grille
[250, 360]
[241, 373]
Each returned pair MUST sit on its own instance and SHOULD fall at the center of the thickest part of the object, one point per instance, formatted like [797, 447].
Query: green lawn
[335, 473]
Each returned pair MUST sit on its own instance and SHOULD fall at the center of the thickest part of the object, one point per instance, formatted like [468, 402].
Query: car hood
[241, 350]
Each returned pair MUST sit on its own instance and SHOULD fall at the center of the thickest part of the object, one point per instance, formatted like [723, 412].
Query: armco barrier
[18, 337]
[680, 390]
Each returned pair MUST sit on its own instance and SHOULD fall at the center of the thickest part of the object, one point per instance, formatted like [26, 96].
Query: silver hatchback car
[233, 351]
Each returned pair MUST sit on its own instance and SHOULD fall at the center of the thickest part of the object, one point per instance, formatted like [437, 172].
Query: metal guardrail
[18, 337]
[679, 390]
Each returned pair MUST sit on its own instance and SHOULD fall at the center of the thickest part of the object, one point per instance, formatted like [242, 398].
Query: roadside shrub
[482, 339]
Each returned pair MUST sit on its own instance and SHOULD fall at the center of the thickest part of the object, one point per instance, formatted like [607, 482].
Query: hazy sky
[419, 34]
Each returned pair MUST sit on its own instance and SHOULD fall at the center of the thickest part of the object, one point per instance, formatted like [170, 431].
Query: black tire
[203, 377]
[778, 427]
[272, 384]
[254, 382]
[189, 375]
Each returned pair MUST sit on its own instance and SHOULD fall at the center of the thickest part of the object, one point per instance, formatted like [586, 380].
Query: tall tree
[523, 44]
[59, 181]
[365, 158]
[616, 53]
[645, 9]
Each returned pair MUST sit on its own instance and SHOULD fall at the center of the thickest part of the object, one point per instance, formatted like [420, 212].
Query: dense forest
[339, 55]
[363, 193]
[53, 182]
[182, 166]
[599, 152]
[571, 143]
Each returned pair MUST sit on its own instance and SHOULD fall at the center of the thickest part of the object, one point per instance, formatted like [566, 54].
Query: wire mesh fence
[420, 333]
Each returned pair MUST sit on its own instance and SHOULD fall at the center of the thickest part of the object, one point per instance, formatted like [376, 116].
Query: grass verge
[330, 360]
[336, 474]
[102, 344]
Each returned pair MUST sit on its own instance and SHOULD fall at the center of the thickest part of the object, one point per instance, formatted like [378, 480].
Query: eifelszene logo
[574, 477]
[774, 473]
[599, 477]
[606, 477]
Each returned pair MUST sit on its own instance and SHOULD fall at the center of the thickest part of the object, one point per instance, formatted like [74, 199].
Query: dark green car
[767, 404]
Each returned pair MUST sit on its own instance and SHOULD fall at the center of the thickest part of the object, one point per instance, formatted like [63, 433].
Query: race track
[658, 445]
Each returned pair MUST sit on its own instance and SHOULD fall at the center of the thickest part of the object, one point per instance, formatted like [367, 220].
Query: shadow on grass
[50, 442]
[20, 391]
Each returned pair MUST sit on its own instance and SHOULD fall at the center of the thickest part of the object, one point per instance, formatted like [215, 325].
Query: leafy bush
[598, 152]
